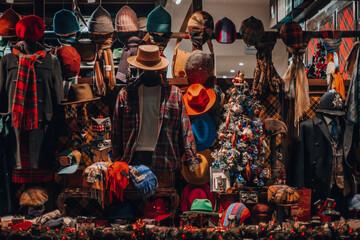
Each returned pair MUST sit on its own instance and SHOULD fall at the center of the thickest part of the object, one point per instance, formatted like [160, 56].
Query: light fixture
[241, 64]
[178, 2]
[232, 70]
[224, 76]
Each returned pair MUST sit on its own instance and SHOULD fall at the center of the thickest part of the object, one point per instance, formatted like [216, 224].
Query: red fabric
[30, 28]
[24, 109]
[70, 61]
[116, 180]
[20, 226]
[156, 210]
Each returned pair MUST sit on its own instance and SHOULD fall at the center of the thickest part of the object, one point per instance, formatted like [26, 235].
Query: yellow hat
[202, 174]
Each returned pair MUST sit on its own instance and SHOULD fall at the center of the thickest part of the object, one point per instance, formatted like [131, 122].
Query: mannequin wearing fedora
[169, 128]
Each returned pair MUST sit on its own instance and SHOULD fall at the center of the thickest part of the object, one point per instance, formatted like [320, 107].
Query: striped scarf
[24, 108]
[104, 68]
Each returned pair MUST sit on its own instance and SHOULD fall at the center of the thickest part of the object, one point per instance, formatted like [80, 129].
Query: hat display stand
[101, 147]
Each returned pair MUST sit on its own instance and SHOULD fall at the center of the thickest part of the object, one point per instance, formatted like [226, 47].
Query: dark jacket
[49, 95]
[313, 167]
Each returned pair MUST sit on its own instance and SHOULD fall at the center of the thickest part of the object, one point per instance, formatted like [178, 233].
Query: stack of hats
[192, 192]
[34, 198]
[198, 101]
[8, 21]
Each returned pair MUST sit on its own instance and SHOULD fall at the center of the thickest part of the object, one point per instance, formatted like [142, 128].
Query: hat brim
[68, 170]
[191, 111]
[201, 212]
[332, 112]
[211, 137]
[81, 101]
[194, 178]
[162, 217]
[158, 66]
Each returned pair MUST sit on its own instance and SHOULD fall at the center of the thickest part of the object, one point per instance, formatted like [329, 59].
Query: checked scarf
[266, 79]
[25, 109]
[334, 79]
[130, 49]
[104, 68]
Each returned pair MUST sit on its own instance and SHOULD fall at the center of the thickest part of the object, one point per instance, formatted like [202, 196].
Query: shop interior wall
[228, 56]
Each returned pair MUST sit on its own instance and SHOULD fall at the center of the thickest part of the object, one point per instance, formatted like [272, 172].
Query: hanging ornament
[227, 122]
[248, 171]
[257, 112]
[245, 138]
[237, 108]
[233, 140]
[221, 135]
[256, 180]
[240, 126]
[229, 136]
[231, 100]
[233, 90]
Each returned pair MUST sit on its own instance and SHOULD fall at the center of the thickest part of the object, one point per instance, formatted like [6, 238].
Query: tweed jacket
[49, 95]
[313, 166]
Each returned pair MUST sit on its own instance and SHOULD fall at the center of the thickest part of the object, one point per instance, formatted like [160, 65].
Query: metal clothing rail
[185, 35]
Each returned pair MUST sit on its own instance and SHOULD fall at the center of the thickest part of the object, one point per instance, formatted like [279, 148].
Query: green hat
[202, 206]
[159, 20]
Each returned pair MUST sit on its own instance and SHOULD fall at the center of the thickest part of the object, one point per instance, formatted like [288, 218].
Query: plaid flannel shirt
[175, 134]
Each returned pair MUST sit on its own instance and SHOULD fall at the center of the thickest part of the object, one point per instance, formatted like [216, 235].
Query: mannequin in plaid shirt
[150, 124]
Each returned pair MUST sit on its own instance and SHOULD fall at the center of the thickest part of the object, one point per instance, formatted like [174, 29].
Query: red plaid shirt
[175, 134]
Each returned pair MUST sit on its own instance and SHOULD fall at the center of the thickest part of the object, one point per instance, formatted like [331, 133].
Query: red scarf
[24, 108]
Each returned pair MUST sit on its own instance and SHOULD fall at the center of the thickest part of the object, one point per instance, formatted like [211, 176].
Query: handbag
[179, 60]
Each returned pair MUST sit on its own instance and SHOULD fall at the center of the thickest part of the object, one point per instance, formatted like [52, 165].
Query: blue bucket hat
[148, 182]
[204, 130]
[65, 22]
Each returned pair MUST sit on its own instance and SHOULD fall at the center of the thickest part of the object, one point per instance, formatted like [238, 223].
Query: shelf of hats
[96, 142]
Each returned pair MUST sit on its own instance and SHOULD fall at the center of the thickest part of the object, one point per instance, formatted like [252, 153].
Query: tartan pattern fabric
[77, 117]
[272, 191]
[311, 111]
[328, 25]
[292, 35]
[26, 175]
[286, 195]
[346, 23]
[147, 186]
[175, 132]
[252, 30]
[24, 108]
[104, 69]
[34, 196]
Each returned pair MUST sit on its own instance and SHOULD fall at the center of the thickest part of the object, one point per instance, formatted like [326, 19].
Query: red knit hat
[8, 20]
[30, 28]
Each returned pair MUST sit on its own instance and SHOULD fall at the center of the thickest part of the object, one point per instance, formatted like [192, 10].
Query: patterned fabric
[252, 30]
[24, 109]
[34, 196]
[130, 49]
[314, 105]
[292, 35]
[69, 39]
[272, 191]
[175, 132]
[266, 78]
[95, 177]
[346, 23]
[85, 206]
[26, 175]
[104, 68]
[286, 195]
[148, 185]
[117, 179]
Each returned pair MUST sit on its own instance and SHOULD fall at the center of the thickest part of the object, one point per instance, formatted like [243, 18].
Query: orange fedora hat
[198, 99]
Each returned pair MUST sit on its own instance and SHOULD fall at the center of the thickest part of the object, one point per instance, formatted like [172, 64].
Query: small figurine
[239, 79]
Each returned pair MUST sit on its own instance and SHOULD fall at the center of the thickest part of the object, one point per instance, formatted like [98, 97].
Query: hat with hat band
[192, 192]
[204, 131]
[69, 161]
[201, 206]
[148, 58]
[198, 99]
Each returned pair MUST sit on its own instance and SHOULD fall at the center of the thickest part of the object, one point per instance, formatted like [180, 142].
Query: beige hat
[80, 93]
[148, 58]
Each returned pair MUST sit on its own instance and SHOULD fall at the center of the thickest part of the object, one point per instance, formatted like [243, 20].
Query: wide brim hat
[34, 196]
[202, 206]
[69, 161]
[198, 99]
[332, 103]
[192, 192]
[204, 131]
[156, 210]
[148, 58]
[80, 93]
[201, 174]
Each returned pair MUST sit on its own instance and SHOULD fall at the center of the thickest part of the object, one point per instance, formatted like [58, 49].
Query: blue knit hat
[65, 22]
[159, 21]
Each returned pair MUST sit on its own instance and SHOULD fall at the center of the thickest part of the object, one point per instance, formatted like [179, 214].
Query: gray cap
[100, 21]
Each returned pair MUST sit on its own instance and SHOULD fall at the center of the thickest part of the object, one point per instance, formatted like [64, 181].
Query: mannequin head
[152, 78]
